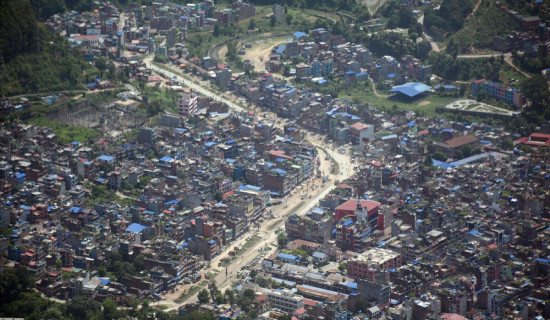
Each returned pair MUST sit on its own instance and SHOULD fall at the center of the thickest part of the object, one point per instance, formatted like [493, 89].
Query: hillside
[34, 59]
[478, 31]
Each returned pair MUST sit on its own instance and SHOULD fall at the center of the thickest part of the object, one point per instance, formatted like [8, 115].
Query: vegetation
[100, 194]
[19, 299]
[35, 59]
[448, 19]
[282, 240]
[451, 68]
[478, 31]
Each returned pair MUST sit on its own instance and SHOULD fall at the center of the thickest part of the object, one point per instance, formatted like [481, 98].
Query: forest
[33, 58]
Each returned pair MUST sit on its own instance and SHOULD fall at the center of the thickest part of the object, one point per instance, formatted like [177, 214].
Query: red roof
[280, 154]
[359, 126]
[376, 163]
[423, 132]
[300, 311]
[352, 204]
[461, 141]
[309, 302]
[261, 297]
[480, 81]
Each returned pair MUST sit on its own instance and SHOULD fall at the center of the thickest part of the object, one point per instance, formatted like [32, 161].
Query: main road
[292, 204]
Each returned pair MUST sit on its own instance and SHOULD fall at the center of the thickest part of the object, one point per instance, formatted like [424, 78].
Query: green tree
[204, 296]
[282, 240]
[273, 21]
[342, 267]
[439, 156]
[213, 288]
[110, 309]
[252, 24]
[229, 296]
[219, 298]
[81, 307]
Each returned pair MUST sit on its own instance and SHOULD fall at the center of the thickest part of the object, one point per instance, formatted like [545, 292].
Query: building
[529, 23]
[364, 210]
[285, 299]
[360, 133]
[451, 147]
[188, 104]
[278, 12]
[146, 135]
[368, 264]
[377, 293]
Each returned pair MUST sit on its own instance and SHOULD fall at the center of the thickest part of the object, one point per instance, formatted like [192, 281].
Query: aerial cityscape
[285, 159]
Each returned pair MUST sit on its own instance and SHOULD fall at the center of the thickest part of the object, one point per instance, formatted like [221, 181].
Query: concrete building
[368, 264]
[187, 104]
[285, 299]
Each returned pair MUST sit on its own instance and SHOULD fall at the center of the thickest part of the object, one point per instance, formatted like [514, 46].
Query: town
[279, 161]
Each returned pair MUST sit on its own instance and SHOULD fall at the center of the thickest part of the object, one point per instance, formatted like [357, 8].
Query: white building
[360, 133]
[285, 299]
[188, 104]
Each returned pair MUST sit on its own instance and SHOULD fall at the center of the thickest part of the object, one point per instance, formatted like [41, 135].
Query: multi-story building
[368, 264]
[306, 228]
[187, 104]
[285, 299]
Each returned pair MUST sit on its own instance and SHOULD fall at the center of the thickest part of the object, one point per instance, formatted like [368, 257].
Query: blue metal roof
[136, 227]
[166, 159]
[280, 49]
[106, 158]
[287, 256]
[410, 89]
[299, 34]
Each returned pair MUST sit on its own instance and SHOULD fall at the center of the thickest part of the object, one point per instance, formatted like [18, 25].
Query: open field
[262, 48]
[366, 94]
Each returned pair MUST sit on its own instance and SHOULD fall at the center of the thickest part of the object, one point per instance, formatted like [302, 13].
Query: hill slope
[33, 59]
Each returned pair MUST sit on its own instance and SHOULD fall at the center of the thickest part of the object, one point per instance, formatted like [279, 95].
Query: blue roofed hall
[410, 90]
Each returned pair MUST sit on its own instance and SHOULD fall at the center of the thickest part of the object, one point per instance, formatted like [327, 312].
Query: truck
[304, 195]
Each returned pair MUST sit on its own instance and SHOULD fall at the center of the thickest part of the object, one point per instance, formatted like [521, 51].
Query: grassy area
[65, 133]
[194, 289]
[248, 244]
[366, 94]
[488, 21]
[508, 73]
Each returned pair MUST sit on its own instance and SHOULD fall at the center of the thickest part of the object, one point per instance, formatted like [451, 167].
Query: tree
[273, 21]
[288, 19]
[252, 24]
[81, 307]
[342, 267]
[110, 309]
[246, 299]
[213, 287]
[229, 296]
[439, 156]
[262, 282]
[138, 263]
[536, 90]
[282, 240]
[204, 296]
[218, 298]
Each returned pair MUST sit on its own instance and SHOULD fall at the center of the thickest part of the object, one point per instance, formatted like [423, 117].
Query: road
[434, 45]
[190, 84]
[266, 231]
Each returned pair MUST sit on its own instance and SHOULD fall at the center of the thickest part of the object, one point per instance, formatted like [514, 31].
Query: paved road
[266, 231]
[178, 75]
